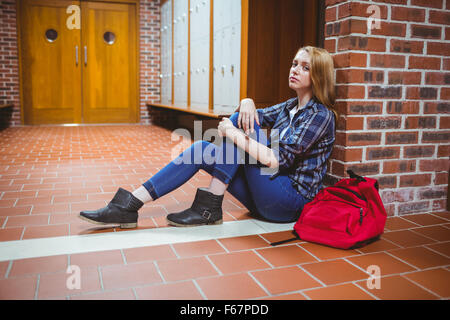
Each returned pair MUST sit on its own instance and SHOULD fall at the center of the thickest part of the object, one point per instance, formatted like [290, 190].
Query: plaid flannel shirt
[304, 149]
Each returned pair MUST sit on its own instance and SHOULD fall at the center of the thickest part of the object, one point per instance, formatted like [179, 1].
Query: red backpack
[349, 214]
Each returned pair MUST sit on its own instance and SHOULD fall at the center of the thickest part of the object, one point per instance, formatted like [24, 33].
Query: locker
[199, 46]
[253, 43]
[227, 54]
[166, 52]
[180, 72]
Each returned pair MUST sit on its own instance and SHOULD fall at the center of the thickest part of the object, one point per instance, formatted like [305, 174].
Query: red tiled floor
[238, 262]
[197, 248]
[424, 219]
[335, 271]
[57, 230]
[406, 238]
[442, 248]
[245, 242]
[436, 280]
[286, 255]
[123, 276]
[235, 287]
[421, 257]
[184, 269]
[43, 192]
[38, 265]
[438, 233]
[348, 291]
[398, 223]
[125, 294]
[23, 288]
[287, 279]
[94, 259]
[386, 263]
[326, 253]
[397, 287]
[162, 252]
[54, 285]
[185, 290]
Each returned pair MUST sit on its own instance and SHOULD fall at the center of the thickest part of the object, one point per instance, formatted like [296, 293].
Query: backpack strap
[355, 176]
[287, 240]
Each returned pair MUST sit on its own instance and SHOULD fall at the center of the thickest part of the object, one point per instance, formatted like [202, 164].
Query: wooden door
[86, 74]
[109, 62]
[51, 76]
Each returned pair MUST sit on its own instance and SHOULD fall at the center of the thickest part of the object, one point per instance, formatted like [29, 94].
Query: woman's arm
[255, 149]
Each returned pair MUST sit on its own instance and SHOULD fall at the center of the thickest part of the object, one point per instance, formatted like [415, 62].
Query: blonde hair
[322, 76]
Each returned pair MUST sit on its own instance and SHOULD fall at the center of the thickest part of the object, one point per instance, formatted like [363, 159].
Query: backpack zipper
[362, 197]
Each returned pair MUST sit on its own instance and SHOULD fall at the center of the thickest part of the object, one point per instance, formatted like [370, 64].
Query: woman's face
[299, 75]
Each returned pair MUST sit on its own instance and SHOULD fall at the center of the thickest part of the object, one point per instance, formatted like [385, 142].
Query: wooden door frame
[137, 56]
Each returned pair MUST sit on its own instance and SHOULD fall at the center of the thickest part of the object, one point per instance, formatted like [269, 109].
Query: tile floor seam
[420, 286]
[398, 258]
[199, 289]
[435, 251]
[4, 223]
[392, 242]
[417, 233]
[312, 276]
[36, 292]
[264, 239]
[355, 265]
[125, 262]
[174, 250]
[135, 294]
[223, 247]
[213, 265]
[155, 263]
[417, 271]
[8, 269]
[262, 258]
[304, 249]
[249, 273]
[366, 291]
[100, 276]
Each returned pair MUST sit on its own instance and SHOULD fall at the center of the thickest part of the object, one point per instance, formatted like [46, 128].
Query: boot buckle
[206, 214]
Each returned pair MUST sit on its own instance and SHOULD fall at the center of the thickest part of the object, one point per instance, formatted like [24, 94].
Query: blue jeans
[273, 200]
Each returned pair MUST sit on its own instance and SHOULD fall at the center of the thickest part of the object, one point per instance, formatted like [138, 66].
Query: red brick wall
[150, 24]
[393, 92]
[149, 57]
[9, 61]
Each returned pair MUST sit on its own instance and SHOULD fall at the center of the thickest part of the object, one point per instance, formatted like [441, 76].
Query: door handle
[85, 55]
[76, 55]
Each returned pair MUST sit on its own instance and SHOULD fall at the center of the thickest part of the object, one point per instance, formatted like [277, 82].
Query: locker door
[165, 51]
[235, 66]
[219, 69]
[200, 23]
[226, 66]
[180, 58]
[194, 29]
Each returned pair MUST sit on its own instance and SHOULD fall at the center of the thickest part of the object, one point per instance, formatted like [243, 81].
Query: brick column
[150, 56]
[393, 91]
[9, 59]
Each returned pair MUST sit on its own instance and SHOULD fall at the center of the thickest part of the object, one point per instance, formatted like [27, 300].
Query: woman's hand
[247, 115]
[224, 125]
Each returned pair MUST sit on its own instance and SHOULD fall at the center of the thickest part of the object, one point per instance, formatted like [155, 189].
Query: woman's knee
[234, 118]
[203, 151]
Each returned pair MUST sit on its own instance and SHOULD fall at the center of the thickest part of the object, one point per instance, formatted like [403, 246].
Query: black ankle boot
[122, 210]
[206, 209]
